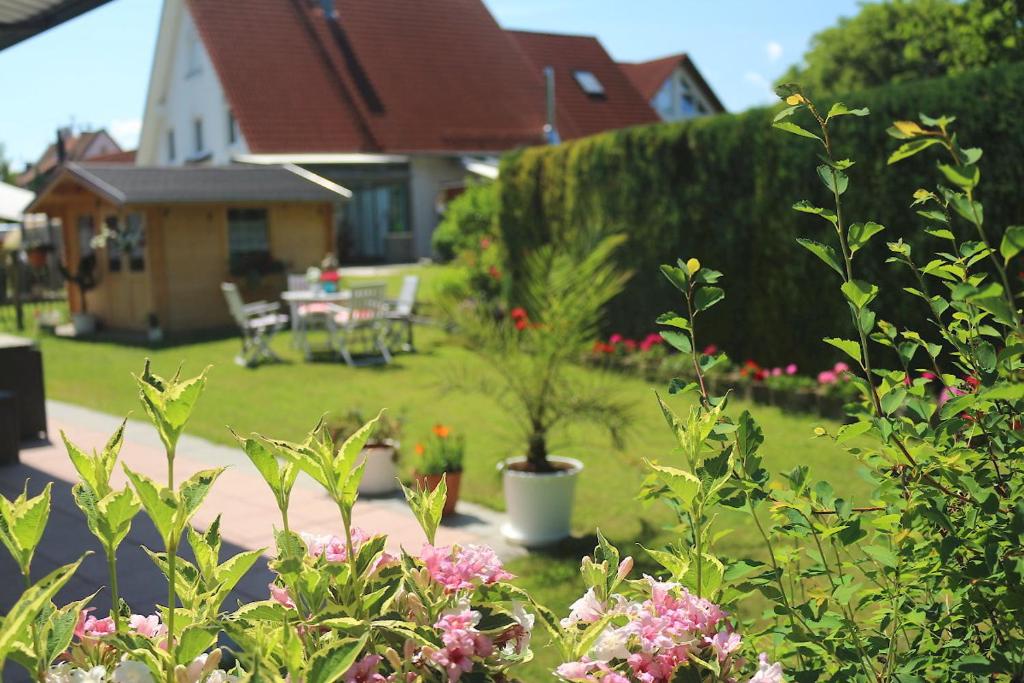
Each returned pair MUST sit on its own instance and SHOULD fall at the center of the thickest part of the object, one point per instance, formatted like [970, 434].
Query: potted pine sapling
[380, 452]
[441, 458]
[535, 357]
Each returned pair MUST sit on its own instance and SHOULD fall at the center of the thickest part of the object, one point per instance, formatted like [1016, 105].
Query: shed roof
[648, 77]
[125, 184]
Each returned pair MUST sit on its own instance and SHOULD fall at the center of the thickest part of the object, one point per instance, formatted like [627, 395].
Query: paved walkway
[247, 509]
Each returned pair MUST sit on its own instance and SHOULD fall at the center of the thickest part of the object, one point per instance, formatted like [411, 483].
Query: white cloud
[774, 51]
[126, 132]
[761, 83]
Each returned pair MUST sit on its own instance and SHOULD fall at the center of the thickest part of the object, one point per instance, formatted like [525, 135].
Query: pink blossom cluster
[366, 670]
[333, 548]
[89, 626]
[462, 642]
[661, 635]
[458, 568]
[839, 372]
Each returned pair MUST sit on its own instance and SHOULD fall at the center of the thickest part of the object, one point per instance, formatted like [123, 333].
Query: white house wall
[429, 177]
[188, 90]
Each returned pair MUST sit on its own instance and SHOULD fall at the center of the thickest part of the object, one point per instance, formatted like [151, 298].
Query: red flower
[518, 313]
[494, 272]
[484, 243]
[711, 350]
[630, 344]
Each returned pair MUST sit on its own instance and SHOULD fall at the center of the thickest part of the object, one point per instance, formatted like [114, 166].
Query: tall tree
[901, 40]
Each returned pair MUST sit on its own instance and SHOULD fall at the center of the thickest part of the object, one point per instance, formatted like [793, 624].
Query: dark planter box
[21, 373]
[831, 407]
[798, 401]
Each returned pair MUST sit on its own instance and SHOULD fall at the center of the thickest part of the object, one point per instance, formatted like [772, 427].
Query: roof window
[589, 83]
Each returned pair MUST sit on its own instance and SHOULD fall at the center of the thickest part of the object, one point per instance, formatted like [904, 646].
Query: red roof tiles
[579, 113]
[401, 76]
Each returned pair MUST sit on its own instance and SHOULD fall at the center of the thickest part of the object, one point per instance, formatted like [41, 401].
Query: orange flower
[420, 450]
[442, 431]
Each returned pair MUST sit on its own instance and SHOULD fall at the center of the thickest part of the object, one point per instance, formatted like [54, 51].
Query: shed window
[135, 241]
[114, 251]
[249, 241]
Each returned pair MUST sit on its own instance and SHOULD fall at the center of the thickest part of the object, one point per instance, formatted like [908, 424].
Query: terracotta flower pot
[453, 480]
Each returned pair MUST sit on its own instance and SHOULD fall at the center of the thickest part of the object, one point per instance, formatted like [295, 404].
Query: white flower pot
[380, 475]
[539, 505]
[83, 323]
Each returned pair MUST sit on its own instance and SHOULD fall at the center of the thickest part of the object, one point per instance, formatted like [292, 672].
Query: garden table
[309, 305]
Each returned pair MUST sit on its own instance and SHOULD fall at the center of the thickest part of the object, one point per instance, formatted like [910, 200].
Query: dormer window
[589, 83]
[197, 133]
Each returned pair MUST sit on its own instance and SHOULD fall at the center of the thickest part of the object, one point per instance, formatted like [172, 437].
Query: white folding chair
[257, 321]
[400, 312]
[359, 327]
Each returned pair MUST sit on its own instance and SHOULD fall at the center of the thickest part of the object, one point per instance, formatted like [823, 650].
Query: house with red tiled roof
[76, 147]
[673, 87]
[396, 100]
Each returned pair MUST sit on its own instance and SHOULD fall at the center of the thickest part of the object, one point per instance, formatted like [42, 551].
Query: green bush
[469, 218]
[714, 187]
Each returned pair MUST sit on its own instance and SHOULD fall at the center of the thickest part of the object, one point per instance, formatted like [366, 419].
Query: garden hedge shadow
[721, 189]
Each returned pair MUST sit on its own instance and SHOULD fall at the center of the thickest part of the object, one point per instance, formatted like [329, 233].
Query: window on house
[171, 152]
[193, 53]
[249, 241]
[197, 135]
[232, 128]
[687, 105]
[589, 83]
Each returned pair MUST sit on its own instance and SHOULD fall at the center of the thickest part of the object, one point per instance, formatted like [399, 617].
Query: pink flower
[710, 350]
[791, 369]
[776, 372]
[461, 641]
[724, 643]
[458, 568]
[650, 341]
[585, 610]
[332, 547]
[89, 626]
[616, 339]
[840, 368]
[281, 595]
[365, 671]
[826, 377]
[149, 627]
[625, 567]
[767, 672]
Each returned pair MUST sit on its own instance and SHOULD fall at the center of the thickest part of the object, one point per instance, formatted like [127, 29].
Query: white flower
[611, 644]
[59, 674]
[587, 610]
[766, 672]
[219, 676]
[97, 674]
[132, 672]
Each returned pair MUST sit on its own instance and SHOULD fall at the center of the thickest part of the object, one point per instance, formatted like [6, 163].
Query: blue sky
[94, 70]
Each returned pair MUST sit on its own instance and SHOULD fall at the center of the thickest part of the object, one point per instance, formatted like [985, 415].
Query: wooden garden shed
[161, 239]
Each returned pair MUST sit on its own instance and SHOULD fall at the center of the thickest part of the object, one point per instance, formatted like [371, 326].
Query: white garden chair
[258, 322]
[359, 328]
[400, 312]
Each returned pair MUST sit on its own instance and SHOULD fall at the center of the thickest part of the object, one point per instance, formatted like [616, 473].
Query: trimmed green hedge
[721, 189]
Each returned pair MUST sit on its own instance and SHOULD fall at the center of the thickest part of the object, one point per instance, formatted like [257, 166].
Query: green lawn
[285, 400]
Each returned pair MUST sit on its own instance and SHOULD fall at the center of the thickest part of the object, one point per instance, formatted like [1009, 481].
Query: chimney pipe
[62, 153]
[550, 129]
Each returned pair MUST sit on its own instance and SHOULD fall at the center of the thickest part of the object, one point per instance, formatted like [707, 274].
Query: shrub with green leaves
[468, 219]
[922, 580]
[340, 608]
